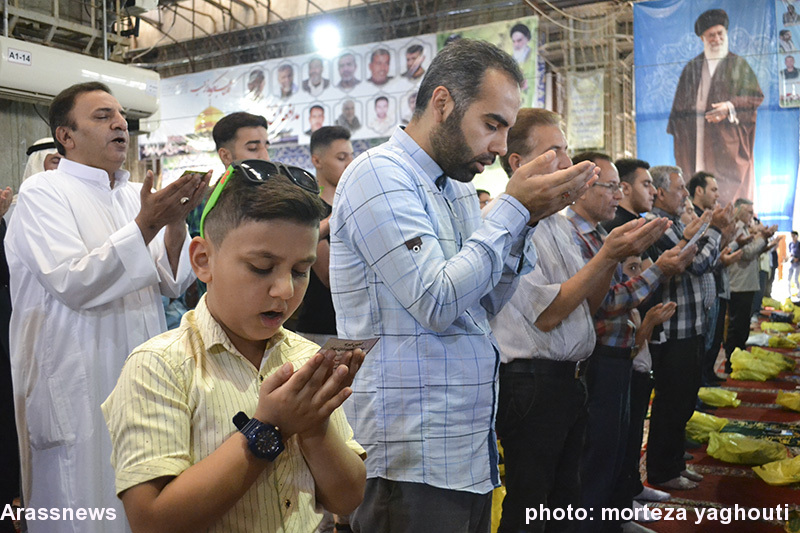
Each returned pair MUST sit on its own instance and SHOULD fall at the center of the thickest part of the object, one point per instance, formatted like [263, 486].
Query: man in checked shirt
[676, 361]
[608, 375]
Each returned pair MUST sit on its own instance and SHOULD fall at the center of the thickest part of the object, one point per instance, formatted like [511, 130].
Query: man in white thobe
[89, 254]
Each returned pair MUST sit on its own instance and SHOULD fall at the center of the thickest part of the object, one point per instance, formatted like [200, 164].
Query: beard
[717, 52]
[451, 151]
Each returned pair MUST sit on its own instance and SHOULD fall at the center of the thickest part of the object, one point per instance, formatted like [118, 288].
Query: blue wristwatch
[264, 440]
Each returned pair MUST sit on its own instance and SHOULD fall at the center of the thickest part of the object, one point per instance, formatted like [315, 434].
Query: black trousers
[541, 421]
[676, 368]
[405, 507]
[641, 386]
[711, 354]
[739, 321]
[608, 378]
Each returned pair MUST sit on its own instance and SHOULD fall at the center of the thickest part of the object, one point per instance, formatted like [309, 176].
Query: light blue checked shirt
[413, 263]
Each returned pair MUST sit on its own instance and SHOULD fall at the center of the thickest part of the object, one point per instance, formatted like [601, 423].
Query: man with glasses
[90, 254]
[608, 375]
[546, 334]
[413, 263]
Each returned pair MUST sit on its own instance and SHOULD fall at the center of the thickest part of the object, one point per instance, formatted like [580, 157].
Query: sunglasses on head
[258, 171]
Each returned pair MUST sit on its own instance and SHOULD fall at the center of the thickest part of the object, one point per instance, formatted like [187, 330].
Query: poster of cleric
[708, 98]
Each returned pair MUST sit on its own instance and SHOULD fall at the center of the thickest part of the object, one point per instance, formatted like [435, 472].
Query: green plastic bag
[766, 301]
[784, 363]
[778, 341]
[780, 327]
[738, 449]
[790, 400]
[701, 424]
[718, 397]
[745, 366]
[783, 472]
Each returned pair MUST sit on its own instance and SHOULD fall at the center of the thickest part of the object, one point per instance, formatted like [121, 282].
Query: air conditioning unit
[139, 7]
[34, 73]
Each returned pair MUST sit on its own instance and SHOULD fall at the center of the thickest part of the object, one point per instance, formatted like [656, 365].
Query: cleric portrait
[713, 117]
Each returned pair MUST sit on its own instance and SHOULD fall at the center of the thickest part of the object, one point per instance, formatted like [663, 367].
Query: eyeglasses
[612, 187]
[258, 171]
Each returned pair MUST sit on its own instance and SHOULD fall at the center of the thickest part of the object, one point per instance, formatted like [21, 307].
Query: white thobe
[85, 291]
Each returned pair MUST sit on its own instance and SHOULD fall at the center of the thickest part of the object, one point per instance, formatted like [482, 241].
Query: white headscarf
[36, 154]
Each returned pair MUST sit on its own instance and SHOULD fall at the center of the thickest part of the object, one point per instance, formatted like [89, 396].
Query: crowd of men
[535, 320]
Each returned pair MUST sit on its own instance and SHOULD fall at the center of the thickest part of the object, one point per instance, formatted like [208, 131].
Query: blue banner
[707, 98]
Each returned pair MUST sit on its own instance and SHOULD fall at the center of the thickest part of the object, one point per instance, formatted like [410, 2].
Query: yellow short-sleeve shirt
[174, 403]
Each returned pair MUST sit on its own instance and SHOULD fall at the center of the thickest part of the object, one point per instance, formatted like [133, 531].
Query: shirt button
[287, 503]
[261, 379]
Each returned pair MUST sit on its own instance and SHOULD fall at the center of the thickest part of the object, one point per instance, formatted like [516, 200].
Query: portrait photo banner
[708, 99]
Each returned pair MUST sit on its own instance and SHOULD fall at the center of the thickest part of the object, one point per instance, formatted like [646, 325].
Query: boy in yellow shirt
[184, 459]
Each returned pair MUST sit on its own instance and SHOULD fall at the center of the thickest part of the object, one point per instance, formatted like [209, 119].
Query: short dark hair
[522, 28]
[784, 32]
[414, 49]
[482, 191]
[794, 233]
[316, 106]
[627, 168]
[378, 99]
[590, 156]
[228, 126]
[62, 105]
[700, 179]
[275, 199]
[460, 67]
[519, 135]
[286, 66]
[324, 137]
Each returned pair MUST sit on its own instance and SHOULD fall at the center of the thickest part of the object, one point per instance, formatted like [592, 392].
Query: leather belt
[570, 369]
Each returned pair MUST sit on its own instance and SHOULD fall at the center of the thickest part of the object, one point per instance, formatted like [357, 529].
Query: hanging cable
[609, 21]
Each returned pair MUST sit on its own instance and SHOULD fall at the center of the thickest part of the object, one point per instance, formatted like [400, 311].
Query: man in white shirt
[546, 334]
[90, 253]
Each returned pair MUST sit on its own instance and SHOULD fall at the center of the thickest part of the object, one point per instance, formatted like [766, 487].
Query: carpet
[727, 487]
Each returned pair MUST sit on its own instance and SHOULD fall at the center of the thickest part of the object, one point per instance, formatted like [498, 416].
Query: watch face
[268, 442]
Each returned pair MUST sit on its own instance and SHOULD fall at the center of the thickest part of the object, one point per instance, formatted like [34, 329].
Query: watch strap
[263, 440]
